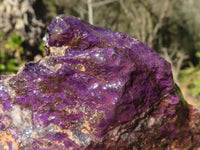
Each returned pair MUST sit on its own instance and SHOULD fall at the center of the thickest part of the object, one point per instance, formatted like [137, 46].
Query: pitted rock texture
[97, 89]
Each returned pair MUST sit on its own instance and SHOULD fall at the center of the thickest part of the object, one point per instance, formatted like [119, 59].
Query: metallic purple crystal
[97, 89]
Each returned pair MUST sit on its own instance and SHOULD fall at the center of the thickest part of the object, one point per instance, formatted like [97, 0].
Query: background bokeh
[170, 27]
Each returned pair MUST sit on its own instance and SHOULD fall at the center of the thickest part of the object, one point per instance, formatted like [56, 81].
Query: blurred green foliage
[10, 54]
[195, 79]
[42, 49]
[191, 78]
[15, 43]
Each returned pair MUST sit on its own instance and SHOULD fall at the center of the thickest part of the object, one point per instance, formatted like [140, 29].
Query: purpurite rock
[96, 90]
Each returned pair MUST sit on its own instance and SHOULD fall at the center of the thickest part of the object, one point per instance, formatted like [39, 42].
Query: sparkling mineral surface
[97, 89]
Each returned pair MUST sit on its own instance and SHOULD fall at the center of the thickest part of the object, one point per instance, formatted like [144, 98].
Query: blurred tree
[18, 16]
[76, 8]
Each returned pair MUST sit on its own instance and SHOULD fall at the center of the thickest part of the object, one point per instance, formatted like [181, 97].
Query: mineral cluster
[97, 89]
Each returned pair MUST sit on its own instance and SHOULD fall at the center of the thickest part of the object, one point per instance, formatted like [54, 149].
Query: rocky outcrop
[97, 89]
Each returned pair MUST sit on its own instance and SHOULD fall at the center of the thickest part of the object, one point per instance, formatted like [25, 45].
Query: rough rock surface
[96, 90]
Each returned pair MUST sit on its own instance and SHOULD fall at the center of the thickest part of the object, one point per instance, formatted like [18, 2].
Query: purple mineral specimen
[97, 89]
